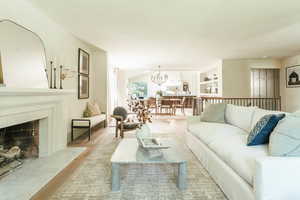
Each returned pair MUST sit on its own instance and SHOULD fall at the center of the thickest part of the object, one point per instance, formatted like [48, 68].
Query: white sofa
[242, 172]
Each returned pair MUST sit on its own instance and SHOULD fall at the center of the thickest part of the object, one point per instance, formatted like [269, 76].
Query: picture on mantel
[83, 86]
[292, 76]
[83, 62]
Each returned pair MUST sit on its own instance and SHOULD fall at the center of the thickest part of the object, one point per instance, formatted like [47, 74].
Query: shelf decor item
[83, 62]
[83, 86]
[293, 76]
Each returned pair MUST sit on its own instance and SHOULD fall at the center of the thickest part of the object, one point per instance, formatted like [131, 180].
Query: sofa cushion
[231, 148]
[239, 116]
[263, 128]
[259, 113]
[214, 113]
[285, 139]
[93, 120]
[209, 132]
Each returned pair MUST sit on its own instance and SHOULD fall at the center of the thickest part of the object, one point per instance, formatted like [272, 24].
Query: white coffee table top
[128, 151]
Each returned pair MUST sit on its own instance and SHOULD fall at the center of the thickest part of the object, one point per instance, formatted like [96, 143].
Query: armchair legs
[121, 129]
[117, 124]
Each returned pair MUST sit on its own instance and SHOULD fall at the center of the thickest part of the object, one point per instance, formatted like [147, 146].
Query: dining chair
[181, 105]
[152, 104]
[166, 105]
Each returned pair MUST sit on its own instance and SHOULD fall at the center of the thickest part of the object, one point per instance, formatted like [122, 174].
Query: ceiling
[181, 33]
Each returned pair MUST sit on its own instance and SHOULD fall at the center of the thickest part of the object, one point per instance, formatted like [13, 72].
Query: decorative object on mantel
[1, 74]
[65, 72]
[83, 86]
[54, 72]
[159, 78]
[293, 76]
[51, 74]
[83, 62]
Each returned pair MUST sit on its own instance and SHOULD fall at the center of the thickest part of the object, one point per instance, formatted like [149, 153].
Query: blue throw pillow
[263, 128]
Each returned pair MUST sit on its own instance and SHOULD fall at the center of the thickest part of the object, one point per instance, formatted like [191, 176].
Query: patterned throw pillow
[263, 128]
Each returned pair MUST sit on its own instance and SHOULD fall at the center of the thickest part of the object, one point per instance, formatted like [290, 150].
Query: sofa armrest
[277, 178]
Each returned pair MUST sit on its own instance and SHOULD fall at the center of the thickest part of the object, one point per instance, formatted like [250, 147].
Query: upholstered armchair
[120, 115]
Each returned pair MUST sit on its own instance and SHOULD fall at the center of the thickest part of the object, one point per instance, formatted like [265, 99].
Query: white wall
[290, 96]
[62, 48]
[236, 75]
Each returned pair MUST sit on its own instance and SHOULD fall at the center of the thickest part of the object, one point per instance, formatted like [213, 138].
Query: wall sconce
[65, 73]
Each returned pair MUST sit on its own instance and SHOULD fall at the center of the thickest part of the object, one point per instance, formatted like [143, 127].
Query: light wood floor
[160, 124]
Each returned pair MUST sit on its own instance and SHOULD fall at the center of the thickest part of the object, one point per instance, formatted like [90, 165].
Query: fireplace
[17, 143]
[51, 109]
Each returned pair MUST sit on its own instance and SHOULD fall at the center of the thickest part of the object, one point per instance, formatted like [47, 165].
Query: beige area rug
[92, 180]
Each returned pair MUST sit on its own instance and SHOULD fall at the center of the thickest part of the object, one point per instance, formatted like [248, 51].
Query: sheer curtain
[113, 89]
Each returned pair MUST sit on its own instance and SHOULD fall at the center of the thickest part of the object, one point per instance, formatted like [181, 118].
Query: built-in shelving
[210, 82]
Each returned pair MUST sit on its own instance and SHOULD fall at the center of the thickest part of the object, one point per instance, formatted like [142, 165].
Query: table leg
[115, 177]
[182, 175]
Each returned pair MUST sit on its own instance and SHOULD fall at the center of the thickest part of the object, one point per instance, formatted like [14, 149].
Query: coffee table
[129, 152]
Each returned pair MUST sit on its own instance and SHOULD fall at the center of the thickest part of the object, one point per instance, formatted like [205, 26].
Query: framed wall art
[292, 76]
[83, 86]
[83, 62]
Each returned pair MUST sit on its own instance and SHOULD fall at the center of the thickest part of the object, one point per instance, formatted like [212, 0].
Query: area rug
[92, 180]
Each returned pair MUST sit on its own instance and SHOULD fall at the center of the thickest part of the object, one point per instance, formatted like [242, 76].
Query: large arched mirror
[22, 57]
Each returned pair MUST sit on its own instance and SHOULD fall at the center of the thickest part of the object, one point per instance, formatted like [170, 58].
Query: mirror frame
[2, 83]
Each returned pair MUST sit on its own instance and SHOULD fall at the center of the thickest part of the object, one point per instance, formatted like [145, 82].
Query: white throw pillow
[259, 113]
[239, 116]
[93, 108]
[285, 139]
[97, 108]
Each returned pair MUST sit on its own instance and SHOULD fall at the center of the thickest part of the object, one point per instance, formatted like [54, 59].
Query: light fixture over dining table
[158, 77]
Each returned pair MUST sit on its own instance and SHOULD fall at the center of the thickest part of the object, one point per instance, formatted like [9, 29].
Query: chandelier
[158, 77]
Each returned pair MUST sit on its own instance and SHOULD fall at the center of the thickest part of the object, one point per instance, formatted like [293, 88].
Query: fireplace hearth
[17, 143]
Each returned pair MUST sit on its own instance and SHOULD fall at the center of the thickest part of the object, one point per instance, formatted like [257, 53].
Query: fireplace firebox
[17, 143]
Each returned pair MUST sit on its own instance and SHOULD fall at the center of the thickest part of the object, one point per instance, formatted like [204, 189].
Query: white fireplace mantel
[46, 105]
[5, 91]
